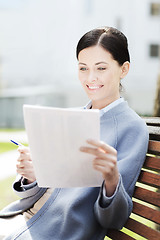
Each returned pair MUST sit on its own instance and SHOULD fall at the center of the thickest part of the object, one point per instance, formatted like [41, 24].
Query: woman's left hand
[105, 161]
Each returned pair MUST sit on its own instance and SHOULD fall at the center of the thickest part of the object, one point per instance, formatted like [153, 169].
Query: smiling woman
[102, 66]
[100, 75]
[87, 213]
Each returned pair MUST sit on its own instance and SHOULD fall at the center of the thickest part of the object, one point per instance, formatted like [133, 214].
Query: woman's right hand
[24, 165]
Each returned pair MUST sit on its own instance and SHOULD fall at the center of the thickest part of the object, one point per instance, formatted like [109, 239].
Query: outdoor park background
[38, 65]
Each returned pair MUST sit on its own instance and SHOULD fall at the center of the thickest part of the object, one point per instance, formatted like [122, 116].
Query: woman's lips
[94, 87]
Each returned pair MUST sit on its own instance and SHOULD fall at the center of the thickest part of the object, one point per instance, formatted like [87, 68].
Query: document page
[55, 136]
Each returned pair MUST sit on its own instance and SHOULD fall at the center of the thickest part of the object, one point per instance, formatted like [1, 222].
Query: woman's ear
[124, 69]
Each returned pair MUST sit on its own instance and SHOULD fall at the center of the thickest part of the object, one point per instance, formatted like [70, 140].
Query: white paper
[55, 136]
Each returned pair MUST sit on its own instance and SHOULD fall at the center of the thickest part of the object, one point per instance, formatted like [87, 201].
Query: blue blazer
[86, 213]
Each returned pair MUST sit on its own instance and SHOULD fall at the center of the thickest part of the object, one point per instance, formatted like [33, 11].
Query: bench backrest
[145, 218]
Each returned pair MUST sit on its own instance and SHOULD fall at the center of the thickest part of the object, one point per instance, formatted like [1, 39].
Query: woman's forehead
[95, 54]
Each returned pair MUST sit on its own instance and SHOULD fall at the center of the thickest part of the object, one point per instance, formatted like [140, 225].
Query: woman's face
[99, 75]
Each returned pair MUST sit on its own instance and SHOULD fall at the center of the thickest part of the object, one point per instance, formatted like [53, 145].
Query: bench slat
[151, 179]
[152, 163]
[142, 229]
[154, 130]
[147, 196]
[146, 212]
[154, 146]
[115, 235]
[152, 120]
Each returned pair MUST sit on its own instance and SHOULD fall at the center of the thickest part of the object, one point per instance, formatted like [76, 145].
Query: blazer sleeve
[29, 195]
[132, 144]
[25, 190]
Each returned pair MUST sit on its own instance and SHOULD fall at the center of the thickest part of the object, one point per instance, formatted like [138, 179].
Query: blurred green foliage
[7, 146]
[6, 193]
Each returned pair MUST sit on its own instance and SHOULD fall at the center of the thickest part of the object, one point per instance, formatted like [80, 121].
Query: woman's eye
[101, 68]
[83, 69]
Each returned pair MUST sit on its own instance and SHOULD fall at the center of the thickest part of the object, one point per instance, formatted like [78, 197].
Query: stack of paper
[55, 136]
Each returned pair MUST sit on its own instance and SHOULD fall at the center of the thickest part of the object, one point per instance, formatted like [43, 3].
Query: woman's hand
[105, 161]
[24, 165]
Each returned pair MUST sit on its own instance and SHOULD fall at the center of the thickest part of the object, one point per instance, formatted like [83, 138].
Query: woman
[87, 213]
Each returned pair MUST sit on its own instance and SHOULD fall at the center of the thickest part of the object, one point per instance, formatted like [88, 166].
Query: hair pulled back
[111, 39]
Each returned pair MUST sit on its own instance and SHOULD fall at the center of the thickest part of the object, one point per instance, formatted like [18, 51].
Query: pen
[16, 143]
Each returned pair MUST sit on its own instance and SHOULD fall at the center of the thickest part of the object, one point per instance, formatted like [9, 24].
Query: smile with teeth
[94, 87]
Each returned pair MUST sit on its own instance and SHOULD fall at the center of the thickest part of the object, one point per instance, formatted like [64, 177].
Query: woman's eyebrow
[101, 63]
[82, 63]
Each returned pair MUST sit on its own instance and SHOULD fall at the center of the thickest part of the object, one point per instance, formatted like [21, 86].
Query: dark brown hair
[111, 39]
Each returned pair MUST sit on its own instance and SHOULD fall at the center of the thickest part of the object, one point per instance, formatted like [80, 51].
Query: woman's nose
[92, 77]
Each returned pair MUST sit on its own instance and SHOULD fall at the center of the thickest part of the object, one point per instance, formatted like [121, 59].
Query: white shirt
[108, 107]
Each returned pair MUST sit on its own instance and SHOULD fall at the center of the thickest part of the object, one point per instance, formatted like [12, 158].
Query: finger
[19, 171]
[24, 156]
[22, 172]
[99, 153]
[23, 149]
[100, 162]
[107, 172]
[108, 158]
[94, 151]
[28, 174]
[24, 164]
[107, 165]
[100, 144]
[98, 168]
[20, 165]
